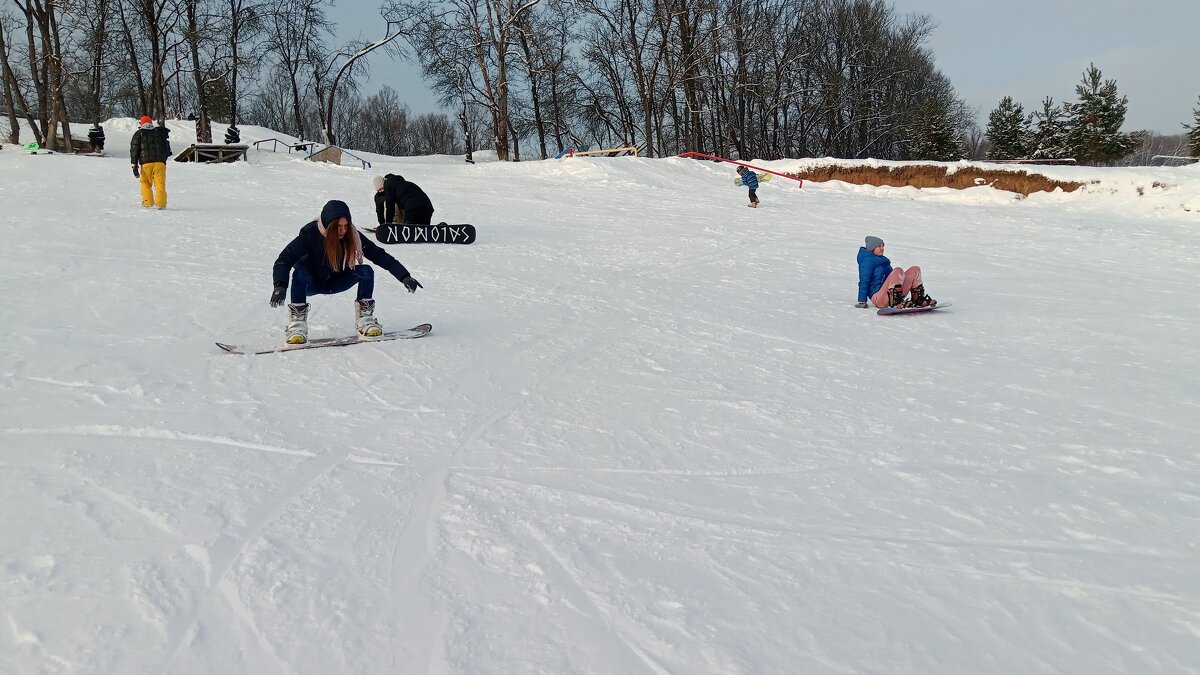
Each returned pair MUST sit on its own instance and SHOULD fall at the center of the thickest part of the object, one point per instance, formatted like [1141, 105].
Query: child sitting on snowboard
[887, 286]
[750, 180]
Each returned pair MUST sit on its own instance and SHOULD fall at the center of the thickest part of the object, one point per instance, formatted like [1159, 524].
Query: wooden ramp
[79, 146]
[212, 153]
[331, 154]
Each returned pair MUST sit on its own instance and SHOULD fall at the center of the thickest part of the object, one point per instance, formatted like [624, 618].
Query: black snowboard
[442, 233]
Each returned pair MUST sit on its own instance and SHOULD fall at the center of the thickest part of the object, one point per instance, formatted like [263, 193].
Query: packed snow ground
[649, 433]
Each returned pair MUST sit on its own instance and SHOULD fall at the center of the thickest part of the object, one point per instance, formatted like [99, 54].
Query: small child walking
[750, 180]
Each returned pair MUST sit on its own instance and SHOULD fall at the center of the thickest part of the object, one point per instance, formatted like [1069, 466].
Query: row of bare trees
[92, 59]
[762, 78]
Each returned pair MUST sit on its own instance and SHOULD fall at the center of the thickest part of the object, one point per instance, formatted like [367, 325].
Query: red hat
[145, 120]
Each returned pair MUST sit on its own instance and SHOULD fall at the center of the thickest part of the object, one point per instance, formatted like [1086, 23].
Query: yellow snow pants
[154, 184]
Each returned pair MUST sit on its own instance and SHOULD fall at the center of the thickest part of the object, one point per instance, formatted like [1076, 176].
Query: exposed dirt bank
[928, 176]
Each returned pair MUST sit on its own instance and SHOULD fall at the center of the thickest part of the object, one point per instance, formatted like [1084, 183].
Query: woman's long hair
[344, 253]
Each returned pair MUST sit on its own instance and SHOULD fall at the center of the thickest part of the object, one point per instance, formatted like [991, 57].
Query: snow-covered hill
[649, 433]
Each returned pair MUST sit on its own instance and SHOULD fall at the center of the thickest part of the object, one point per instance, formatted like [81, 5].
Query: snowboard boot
[919, 299]
[297, 328]
[895, 296]
[365, 321]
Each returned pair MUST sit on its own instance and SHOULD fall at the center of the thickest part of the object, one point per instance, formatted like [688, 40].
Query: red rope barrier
[694, 155]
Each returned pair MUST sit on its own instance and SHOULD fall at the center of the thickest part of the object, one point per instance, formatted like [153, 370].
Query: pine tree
[1094, 129]
[220, 97]
[1194, 132]
[1049, 139]
[1008, 131]
[932, 135]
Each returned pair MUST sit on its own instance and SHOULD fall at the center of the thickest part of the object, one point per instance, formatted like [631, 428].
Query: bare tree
[531, 54]
[480, 34]
[293, 31]
[383, 125]
[433, 134]
[629, 44]
[154, 22]
[245, 22]
[492, 31]
[198, 29]
[753, 78]
[84, 25]
[13, 96]
[447, 56]
[272, 105]
[395, 29]
[45, 57]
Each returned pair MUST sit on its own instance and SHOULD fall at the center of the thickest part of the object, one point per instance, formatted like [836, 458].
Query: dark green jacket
[149, 145]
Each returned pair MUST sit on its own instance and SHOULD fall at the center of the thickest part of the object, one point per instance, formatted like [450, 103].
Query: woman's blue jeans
[304, 285]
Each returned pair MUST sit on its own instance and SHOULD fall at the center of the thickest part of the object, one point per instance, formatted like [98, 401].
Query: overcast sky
[1030, 49]
[1027, 49]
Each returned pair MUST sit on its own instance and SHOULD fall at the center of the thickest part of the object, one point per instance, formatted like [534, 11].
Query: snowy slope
[649, 433]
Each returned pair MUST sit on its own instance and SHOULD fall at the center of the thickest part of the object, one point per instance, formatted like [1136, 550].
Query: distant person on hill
[750, 180]
[232, 135]
[887, 286]
[96, 138]
[399, 201]
[148, 152]
[327, 258]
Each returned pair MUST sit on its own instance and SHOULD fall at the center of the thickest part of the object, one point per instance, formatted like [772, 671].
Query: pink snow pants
[907, 278]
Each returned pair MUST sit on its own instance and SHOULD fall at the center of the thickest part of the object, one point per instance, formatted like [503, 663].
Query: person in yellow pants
[154, 183]
[148, 153]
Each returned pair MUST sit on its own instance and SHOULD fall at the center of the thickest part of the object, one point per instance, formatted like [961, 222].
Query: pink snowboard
[888, 311]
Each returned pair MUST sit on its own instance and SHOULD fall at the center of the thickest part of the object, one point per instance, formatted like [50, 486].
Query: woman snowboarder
[327, 258]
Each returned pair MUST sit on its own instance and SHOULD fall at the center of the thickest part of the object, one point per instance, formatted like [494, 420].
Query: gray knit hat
[873, 243]
[378, 182]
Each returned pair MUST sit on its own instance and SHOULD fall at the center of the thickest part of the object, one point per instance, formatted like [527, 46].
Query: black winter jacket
[401, 193]
[149, 145]
[308, 249]
[96, 137]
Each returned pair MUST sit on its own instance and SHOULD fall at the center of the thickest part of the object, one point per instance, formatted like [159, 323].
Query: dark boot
[896, 296]
[919, 299]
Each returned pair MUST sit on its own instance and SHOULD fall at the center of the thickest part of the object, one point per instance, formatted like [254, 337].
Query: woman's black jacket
[308, 249]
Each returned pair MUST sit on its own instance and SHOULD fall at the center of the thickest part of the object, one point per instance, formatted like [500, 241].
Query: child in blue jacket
[750, 180]
[887, 286]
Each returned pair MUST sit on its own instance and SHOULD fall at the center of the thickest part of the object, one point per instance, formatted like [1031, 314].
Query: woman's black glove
[411, 284]
[136, 172]
[277, 295]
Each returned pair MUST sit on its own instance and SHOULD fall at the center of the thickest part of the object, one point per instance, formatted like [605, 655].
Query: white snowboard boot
[297, 328]
[364, 320]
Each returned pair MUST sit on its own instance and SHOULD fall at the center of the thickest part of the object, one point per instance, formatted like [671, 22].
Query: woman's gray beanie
[873, 243]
